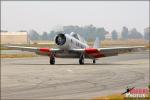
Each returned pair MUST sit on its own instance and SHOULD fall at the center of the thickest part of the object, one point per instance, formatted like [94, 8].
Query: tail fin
[96, 43]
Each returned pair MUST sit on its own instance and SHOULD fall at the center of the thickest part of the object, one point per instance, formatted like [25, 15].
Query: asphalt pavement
[34, 78]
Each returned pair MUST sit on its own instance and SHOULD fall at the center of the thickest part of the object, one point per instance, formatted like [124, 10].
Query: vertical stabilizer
[96, 43]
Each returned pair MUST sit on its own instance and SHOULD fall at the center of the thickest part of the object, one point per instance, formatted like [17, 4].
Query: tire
[94, 61]
[81, 61]
[52, 61]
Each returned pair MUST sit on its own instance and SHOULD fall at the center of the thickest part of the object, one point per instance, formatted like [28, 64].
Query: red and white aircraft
[74, 46]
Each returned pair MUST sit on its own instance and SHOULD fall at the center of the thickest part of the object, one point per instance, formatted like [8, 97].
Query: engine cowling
[60, 39]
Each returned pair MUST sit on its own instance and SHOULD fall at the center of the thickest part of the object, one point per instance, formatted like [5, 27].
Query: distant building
[147, 30]
[14, 38]
[4, 31]
[119, 35]
[108, 36]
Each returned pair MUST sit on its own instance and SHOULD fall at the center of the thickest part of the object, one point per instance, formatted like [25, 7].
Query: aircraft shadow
[96, 64]
[74, 64]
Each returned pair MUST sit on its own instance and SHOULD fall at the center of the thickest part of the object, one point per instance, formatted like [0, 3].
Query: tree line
[90, 32]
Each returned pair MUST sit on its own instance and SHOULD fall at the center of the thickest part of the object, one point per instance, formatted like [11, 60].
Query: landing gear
[52, 60]
[94, 61]
[81, 60]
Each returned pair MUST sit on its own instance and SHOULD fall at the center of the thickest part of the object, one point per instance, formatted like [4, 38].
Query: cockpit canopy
[74, 35]
[77, 36]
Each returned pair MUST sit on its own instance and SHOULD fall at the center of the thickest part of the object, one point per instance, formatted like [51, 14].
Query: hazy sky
[48, 15]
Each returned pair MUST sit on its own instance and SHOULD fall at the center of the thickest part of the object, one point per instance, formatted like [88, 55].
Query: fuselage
[67, 42]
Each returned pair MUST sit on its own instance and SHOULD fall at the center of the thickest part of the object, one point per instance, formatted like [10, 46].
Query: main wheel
[52, 61]
[81, 61]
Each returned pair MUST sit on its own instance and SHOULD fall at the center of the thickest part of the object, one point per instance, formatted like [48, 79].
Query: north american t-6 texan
[74, 46]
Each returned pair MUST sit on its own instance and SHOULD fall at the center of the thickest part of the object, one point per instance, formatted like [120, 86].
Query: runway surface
[34, 78]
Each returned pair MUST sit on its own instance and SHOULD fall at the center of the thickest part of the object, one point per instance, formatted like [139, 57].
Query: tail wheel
[94, 61]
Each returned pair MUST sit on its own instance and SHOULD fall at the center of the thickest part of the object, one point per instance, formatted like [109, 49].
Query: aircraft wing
[37, 50]
[105, 52]
[120, 50]
[89, 52]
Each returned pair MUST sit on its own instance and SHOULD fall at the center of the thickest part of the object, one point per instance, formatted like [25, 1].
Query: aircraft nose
[60, 39]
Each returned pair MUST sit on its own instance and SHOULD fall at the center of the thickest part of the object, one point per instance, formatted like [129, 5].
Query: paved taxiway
[30, 78]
